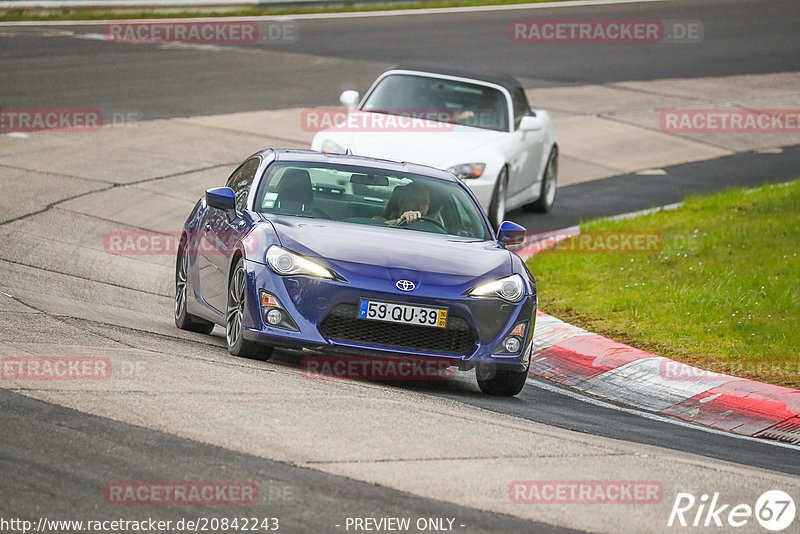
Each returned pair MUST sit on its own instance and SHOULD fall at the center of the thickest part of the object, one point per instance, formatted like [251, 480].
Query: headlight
[329, 147]
[283, 262]
[468, 170]
[510, 288]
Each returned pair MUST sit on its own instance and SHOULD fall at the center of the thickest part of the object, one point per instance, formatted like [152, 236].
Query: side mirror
[221, 198]
[349, 99]
[529, 123]
[510, 233]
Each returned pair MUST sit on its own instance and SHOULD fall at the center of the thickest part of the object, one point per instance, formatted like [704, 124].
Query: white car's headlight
[283, 262]
[510, 288]
[468, 170]
[330, 147]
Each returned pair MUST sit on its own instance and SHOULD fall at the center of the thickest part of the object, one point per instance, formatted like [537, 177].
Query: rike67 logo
[774, 510]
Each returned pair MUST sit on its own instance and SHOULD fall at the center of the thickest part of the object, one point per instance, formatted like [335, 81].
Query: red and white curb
[600, 367]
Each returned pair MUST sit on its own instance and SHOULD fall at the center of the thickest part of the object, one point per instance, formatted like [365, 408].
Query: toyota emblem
[405, 285]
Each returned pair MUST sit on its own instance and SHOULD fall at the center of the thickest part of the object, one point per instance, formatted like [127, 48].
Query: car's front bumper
[325, 313]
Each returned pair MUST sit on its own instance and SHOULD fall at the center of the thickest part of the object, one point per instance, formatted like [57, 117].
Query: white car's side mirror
[529, 123]
[349, 99]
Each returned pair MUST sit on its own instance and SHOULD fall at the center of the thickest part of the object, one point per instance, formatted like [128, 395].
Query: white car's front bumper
[483, 189]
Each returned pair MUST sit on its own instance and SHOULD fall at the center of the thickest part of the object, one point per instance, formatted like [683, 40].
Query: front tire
[500, 382]
[234, 318]
[549, 185]
[183, 319]
[497, 207]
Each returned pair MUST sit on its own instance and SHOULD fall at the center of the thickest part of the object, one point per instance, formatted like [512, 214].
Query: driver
[486, 115]
[415, 202]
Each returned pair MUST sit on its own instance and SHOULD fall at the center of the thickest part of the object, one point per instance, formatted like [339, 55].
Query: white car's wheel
[549, 184]
[497, 208]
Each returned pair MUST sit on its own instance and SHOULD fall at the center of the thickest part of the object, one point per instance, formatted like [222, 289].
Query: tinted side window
[241, 180]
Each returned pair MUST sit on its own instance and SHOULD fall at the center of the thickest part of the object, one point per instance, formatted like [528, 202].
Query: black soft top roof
[503, 80]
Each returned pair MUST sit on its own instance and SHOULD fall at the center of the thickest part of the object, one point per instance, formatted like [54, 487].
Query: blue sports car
[359, 256]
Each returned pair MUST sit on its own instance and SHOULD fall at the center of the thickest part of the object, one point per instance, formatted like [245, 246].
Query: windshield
[449, 101]
[365, 195]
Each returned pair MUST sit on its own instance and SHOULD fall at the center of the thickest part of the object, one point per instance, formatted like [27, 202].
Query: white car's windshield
[365, 195]
[440, 100]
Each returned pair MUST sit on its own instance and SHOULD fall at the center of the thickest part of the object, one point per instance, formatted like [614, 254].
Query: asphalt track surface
[56, 460]
[46, 68]
[631, 192]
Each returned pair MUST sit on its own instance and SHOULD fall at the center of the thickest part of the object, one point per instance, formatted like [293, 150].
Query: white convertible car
[479, 127]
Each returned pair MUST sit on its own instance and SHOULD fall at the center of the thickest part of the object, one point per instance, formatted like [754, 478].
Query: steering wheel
[424, 218]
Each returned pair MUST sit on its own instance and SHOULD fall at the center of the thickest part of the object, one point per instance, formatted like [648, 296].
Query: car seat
[294, 191]
[392, 209]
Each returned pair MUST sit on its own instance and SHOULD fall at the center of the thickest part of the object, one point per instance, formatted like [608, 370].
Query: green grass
[723, 294]
[16, 15]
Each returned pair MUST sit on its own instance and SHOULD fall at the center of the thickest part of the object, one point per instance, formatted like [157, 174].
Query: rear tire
[234, 318]
[497, 207]
[548, 187]
[500, 382]
[183, 319]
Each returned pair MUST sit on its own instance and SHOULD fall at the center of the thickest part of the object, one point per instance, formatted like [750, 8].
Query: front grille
[343, 324]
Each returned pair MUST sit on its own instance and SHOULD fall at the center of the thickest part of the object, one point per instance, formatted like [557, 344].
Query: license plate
[402, 313]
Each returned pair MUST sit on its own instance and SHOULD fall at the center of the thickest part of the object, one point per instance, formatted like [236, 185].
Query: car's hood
[437, 145]
[391, 251]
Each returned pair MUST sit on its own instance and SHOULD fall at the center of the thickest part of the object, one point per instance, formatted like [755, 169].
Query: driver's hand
[409, 217]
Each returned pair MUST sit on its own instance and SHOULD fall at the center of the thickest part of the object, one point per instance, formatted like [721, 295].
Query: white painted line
[652, 416]
[651, 172]
[647, 211]
[315, 16]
